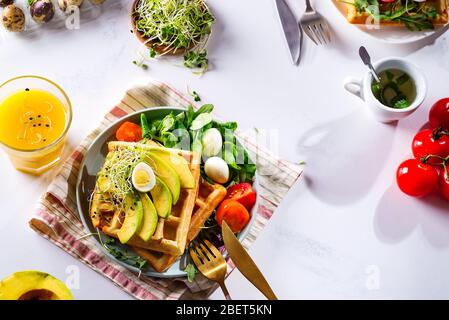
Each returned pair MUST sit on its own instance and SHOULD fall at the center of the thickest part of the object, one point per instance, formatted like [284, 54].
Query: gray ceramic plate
[93, 162]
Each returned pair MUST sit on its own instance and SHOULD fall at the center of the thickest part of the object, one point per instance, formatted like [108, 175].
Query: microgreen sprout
[140, 64]
[173, 24]
[118, 170]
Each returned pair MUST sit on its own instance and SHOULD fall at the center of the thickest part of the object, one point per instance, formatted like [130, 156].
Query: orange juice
[31, 119]
[35, 115]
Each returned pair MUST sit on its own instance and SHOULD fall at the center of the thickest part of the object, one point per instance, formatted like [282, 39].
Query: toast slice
[355, 17]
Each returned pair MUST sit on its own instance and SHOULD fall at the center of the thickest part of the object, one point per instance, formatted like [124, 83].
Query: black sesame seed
[27, 89]
[39, 124]
[31, 118]
[38, 115]
[47, 125]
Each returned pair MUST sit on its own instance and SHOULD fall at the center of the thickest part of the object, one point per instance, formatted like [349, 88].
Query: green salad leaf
[122, 254]
[191, 272]
[185, 131]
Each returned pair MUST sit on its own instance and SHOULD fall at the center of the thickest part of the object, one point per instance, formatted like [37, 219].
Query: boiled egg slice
[143, 177]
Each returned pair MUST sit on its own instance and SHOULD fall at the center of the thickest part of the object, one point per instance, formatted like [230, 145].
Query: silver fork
[315, 26]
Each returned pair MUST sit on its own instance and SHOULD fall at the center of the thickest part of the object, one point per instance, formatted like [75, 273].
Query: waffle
[209, 197]
[171, 233]
[441, 6]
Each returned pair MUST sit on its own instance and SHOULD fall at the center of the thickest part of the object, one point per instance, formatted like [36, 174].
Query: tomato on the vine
[439, 114]
[431, 142]
[417, 179]
[444, 185]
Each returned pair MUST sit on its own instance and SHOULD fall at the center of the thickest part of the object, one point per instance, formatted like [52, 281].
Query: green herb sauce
[396, 89]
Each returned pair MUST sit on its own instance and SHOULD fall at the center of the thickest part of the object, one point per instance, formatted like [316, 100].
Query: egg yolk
[142, 178]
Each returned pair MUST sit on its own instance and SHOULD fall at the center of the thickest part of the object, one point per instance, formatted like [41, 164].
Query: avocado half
[33, 285]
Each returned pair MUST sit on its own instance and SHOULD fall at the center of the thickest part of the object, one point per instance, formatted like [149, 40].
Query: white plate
[393, 35]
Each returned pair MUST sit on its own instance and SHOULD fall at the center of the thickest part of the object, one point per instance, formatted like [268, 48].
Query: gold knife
[244, 263]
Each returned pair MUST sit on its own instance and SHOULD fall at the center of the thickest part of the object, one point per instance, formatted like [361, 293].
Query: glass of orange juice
[35, 116]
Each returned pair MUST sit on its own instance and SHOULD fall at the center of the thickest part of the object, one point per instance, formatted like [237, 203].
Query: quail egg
[143, 178]
[13, 19]
[4, 3]
[212, 142]
[42, 11]
[64, 4]
[217, 169]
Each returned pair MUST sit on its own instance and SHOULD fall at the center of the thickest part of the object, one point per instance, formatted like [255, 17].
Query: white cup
[383, 113]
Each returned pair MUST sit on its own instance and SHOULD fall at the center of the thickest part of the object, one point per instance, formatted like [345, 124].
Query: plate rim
[150, 273]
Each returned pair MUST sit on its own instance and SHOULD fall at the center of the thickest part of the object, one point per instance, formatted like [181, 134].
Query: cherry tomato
[439, 114]
[431, 142]
[416, 179]
[129, 132]
[242, 193]
[444, 185]
[234, 213]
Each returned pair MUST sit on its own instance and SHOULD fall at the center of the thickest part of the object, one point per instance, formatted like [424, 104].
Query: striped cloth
[56, 217]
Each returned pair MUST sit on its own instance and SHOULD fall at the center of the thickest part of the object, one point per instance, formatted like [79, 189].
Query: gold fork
[210, 263]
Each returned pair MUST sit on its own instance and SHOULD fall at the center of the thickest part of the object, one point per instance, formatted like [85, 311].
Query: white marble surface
[344, 231]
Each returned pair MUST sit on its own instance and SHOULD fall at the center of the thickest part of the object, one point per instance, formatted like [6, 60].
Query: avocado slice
[133, 219]
[150, 218]
[166, 174]
[33, 285]
[162, 199]
[179, 164]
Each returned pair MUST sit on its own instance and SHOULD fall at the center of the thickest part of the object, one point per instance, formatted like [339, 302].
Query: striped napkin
[56, 216]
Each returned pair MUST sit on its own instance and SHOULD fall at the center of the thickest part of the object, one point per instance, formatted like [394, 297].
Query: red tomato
[129, 132]
[234, 213]
[242, 193]
[387, 1]
[439, 114]
[431, 142]
[416, 179]
[444, 185]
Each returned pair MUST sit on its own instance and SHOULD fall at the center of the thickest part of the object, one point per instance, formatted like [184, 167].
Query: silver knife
[292, 30]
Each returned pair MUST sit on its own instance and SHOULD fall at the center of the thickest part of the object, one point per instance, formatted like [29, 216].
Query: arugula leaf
[122, 254]
[191, 272]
